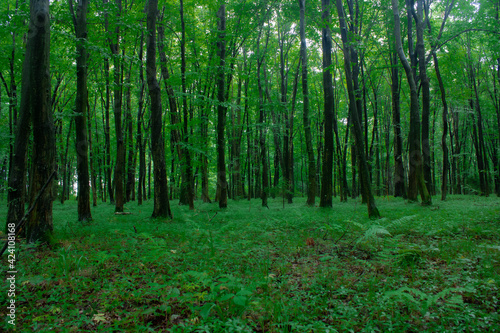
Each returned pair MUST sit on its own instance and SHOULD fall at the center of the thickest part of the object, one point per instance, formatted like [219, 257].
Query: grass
[253, 269]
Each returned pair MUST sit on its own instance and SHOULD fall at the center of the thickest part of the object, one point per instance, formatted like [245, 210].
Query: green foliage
[253, 269]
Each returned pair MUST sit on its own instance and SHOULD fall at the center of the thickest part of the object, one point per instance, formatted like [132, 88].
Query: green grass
[253, 269]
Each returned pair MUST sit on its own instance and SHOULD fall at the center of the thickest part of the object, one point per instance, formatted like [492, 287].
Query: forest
[337, 145]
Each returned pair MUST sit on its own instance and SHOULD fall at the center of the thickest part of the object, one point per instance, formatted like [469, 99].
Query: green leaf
[240, 300]
[205, 310]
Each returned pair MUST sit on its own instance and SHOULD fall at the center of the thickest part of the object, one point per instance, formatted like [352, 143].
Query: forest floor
[254, 269]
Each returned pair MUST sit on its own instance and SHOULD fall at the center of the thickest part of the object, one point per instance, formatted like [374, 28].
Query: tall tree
[187, 194]
[222, 186]
[43, 158]
[353, 113]
[329, 105]
[311, 166]
[262, 117]
[140, 121]
[399, 172]
[425, 86]
[16, 195]
[114, 43]
[416, 178]
[161, 203]
[82, 162]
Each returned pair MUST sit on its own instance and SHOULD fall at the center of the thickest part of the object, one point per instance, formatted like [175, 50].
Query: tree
[329, 105]
[353, 113]
[161, 202]
[416, 177]
[222, 185]
[311, 167]
[114, 43]
[39, 224]
[187, 195]
[82, 163]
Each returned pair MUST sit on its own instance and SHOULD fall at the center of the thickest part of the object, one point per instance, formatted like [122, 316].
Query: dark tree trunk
[39, 225]
[424, 81]
[16, 195]
[222, 186]
[93, 176]
[329, 105]
[416, 177]
[358, 133]
[478, 136]
[140, 121]
[399, 172]
[186, 195]
[82, 160]
[311, 169]
[131, 155]
[107, 138]
[161, 203]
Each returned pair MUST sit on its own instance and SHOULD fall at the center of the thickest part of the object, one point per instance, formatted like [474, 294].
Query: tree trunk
[39, 225]
[82, 160]
[186, 195]
[16, 194]
[131, 155]
[424, 81]
[140, 121]
[329, 105]
[107, 138]
[222, 187]
[161, 203]
[311, 167]
[416, 177]
[358, 133]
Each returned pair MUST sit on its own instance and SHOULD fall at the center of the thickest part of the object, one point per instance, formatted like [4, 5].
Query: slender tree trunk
[416, 177]
[117, 110]
[82, 160]
[187, 195]
[311, 170]
[329, 105]
[222, 186]
[358, 134]
[39, 225]
[140, 121]
[161, 202]
[107, 137]
[424, 81]
[93, 176]
[399, 173]
[131, 155]
[16, 195]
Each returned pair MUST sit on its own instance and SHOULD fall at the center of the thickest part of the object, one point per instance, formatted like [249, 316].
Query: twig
[212, 217]
[25, 217]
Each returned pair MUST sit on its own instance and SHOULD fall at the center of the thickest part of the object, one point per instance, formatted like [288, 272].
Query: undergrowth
[254, 269]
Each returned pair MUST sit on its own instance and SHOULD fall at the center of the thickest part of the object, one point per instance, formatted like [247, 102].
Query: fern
[402, 221]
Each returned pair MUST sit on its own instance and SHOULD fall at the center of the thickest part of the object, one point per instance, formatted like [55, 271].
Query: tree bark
[16, 195]
[416, 177]
[424, 81]
[222, 186]
[82, 159]
[161, 207]
[186, 195]
[358, 133]
[329, 105]
[311, 167]
[39, 225]
[140, 121]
